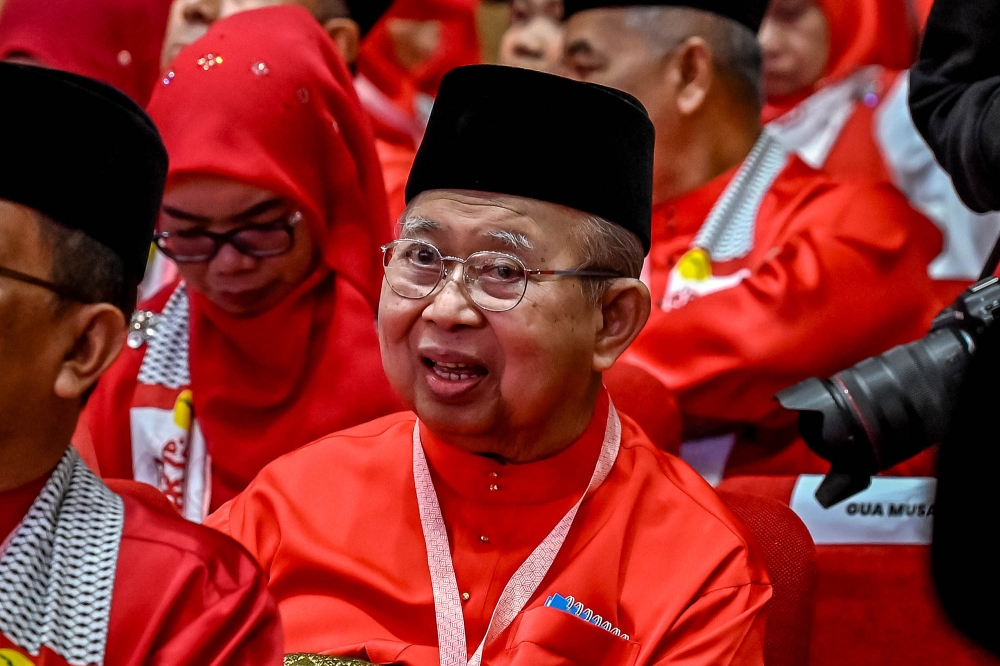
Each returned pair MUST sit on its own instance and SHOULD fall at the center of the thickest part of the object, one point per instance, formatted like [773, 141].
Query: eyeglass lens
[494, 281]
[259, 241]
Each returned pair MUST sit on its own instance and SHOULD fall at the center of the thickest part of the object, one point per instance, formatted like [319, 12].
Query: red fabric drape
[862, 33]
[115, 41]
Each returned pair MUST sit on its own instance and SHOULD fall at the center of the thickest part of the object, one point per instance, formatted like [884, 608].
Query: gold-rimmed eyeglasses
[495, 281]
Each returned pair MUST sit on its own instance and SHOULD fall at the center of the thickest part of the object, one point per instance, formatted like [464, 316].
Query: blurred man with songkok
[513, 517]
[91, 575]
[268, 340]
[763, 271]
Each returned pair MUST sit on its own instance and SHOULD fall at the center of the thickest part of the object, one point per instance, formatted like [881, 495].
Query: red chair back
[791, 563]
[875, 604]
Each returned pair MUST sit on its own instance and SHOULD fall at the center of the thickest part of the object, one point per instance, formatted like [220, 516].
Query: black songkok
[514, 131]
[749, 13]
[366, 13]
[83, 154]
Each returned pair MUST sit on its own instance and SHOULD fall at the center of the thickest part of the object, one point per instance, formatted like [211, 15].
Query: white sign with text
[893, 510]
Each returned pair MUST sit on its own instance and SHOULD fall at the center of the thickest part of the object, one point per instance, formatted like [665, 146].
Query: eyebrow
[255, 210]
[513, 239]
[416, 225]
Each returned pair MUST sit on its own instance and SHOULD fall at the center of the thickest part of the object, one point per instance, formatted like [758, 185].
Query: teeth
[453, 376]
[453, 365]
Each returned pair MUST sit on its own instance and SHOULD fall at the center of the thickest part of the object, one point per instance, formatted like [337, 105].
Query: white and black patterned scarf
[57, 574]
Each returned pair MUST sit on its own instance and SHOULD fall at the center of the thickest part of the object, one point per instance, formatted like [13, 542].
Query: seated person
[763, 271]
[534, 39]
[269, 340]
[513, 492]
[837, 99]
[88, 575]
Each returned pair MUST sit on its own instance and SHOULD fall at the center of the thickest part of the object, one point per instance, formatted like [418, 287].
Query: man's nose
[451, 306]
[767, 37]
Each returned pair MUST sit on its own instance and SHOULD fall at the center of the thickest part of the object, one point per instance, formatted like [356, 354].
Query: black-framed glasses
[495, 281]
[260, 241]
[65, 292]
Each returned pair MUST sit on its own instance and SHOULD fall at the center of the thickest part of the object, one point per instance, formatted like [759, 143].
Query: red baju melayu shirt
[652, 550]
[179, 593]
[832, 273]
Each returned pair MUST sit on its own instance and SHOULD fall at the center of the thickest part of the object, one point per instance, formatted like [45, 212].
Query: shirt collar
[685, 214]
[486, 480]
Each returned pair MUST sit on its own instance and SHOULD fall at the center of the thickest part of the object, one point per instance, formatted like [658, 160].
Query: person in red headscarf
[399, 70]
[834, 77]
[115, 41]
[275, 212]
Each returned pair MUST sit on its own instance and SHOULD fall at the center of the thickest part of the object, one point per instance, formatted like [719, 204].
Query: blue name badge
[573, 607]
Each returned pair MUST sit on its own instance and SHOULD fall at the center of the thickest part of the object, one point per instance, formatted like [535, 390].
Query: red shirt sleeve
[847, 280]
[185, 594]
[723, 628]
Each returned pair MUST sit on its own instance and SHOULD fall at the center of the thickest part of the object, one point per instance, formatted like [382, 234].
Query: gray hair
[735, 49]
[607, 246]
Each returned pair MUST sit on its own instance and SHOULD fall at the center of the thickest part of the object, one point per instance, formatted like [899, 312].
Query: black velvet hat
[746, 12]
[515, 131]
[366, 13]
[83, 154]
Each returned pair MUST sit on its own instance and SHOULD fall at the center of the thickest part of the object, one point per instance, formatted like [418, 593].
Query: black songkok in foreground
[749, 13]
[83, 154]
[366, 13]
[514, 131]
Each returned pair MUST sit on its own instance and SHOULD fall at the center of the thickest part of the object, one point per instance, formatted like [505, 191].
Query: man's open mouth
[455, 371]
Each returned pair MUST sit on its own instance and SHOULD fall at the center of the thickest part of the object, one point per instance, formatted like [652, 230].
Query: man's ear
[346, 34]
[100, 332]
[695, 74]
[625, 308]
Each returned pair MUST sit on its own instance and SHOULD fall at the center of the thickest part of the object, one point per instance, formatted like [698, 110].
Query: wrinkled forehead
[464, 217]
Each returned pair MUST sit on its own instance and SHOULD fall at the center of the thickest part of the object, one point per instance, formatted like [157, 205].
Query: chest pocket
[549, 637]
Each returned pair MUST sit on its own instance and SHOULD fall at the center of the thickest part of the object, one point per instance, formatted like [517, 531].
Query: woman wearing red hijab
[400, 67]
[834, 76]
[115, 41]
[274, 211]
[827, 66]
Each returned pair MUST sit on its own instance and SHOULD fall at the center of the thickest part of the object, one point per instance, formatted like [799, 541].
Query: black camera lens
[889, 408]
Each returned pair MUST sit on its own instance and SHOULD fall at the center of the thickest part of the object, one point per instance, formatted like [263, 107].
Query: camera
[889, 408]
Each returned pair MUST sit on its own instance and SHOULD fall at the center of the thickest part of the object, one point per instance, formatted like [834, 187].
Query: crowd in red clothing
[799, 226]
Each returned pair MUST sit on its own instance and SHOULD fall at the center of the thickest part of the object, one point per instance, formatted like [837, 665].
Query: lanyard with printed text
[521, 587]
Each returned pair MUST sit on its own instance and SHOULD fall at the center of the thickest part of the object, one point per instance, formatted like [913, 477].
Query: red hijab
[278, 110]
[457, 45]
[115, 41]
[862, 33]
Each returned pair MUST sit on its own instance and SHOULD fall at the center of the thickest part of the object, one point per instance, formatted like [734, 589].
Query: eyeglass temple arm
[604, 274]
[65, 292]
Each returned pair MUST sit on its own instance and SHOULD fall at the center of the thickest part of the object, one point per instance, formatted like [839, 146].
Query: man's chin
[459, 420]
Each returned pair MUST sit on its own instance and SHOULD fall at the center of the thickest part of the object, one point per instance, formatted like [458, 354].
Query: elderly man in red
[763, 271]
[513, 517]
[92, 575]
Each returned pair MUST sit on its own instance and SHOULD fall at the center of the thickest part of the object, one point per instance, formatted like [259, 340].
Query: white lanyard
[520, 588]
